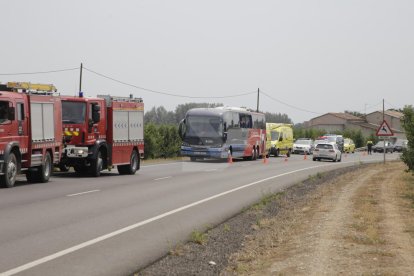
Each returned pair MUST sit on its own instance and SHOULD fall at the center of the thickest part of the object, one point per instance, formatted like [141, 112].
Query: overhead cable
[289, 105]
[166, 93]
[39, 72]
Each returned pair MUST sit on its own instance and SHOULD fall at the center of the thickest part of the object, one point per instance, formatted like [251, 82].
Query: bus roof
[217, 111]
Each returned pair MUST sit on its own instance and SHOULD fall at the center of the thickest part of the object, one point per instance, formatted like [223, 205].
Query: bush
[161, 141]
[408, 124]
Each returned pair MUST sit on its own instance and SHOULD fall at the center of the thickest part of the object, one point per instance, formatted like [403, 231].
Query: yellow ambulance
[279, 139]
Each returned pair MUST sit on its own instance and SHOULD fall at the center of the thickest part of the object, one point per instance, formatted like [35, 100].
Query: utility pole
[80, 81]
[258, 91]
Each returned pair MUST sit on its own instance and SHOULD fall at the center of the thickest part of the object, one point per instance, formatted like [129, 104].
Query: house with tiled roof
[333, 122]
[393, 119]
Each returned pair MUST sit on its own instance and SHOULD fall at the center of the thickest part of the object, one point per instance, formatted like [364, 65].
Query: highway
[113, 225]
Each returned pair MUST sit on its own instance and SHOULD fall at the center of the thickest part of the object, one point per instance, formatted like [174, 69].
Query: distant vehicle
[279, 139]
[321, 139]
[349, 145]
[400, 145]
[379, 147]
[223, 132]
[338, 139]
[303, 145]
[327, 150]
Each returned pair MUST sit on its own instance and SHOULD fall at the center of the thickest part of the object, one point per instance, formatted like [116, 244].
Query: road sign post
[384, 130]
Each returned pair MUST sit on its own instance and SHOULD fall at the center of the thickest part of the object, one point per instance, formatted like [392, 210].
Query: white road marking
[162, 178]
[165, 164]
[82, 193]
[147, 221]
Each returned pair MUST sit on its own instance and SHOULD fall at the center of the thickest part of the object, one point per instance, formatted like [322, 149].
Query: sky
[306, 58]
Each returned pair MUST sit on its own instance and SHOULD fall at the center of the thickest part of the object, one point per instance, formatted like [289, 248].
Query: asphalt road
[113, 225]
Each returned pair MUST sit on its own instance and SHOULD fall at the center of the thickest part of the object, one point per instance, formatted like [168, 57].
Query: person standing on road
[369, 146]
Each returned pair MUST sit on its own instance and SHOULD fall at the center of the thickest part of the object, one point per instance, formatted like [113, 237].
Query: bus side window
[235, 120]
[249, 123]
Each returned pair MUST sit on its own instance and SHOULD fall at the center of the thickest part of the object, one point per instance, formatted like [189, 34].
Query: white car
[303, 146]
[328, 151]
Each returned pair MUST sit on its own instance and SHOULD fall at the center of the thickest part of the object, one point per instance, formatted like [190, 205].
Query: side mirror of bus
[11, 114]
[181, 129]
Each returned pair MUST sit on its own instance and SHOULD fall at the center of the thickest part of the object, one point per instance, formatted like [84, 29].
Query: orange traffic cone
[265, 161]
[304, 156]
[230, 159]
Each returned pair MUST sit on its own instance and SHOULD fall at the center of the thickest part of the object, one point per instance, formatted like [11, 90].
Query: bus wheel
[254, 154]
[133, 164]
[9, 178]
[276, 152]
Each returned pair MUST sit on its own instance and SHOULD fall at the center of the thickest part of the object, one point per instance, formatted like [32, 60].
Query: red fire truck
[30, 131]
[103, 132]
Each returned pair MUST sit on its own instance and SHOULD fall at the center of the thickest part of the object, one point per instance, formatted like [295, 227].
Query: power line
[166, 93]
[289, 105]
[39, 72]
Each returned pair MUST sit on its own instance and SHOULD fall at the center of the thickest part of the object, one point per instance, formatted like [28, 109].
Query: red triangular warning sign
[384, 130]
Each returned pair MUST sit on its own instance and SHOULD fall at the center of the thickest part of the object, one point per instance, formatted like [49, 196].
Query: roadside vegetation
[408, 125]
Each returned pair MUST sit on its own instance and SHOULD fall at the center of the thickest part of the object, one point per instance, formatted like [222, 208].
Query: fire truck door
[94, 119]
[21, 119]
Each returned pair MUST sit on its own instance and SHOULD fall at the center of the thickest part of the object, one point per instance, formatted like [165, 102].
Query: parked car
[303, 145]
[338, 139]
[400, 145]
[327, 150]
[379, 147]
[349, 145]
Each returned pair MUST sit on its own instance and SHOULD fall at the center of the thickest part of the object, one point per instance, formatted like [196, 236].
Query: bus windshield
[73, 112]
[200, 126]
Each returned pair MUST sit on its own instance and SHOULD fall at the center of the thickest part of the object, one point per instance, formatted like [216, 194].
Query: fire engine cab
[102, 132]
[30, 131]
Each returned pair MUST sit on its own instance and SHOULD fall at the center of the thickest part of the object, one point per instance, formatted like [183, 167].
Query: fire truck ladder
[109, 99]
[32, 88]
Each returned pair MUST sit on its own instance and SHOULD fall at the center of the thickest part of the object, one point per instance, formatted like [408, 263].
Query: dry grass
[367, 215]
[406, 194]
[364, 245]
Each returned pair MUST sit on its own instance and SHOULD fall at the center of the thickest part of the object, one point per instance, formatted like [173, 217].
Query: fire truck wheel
[132, 167]
[45, 169]
[97, 165]
[9, 178]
